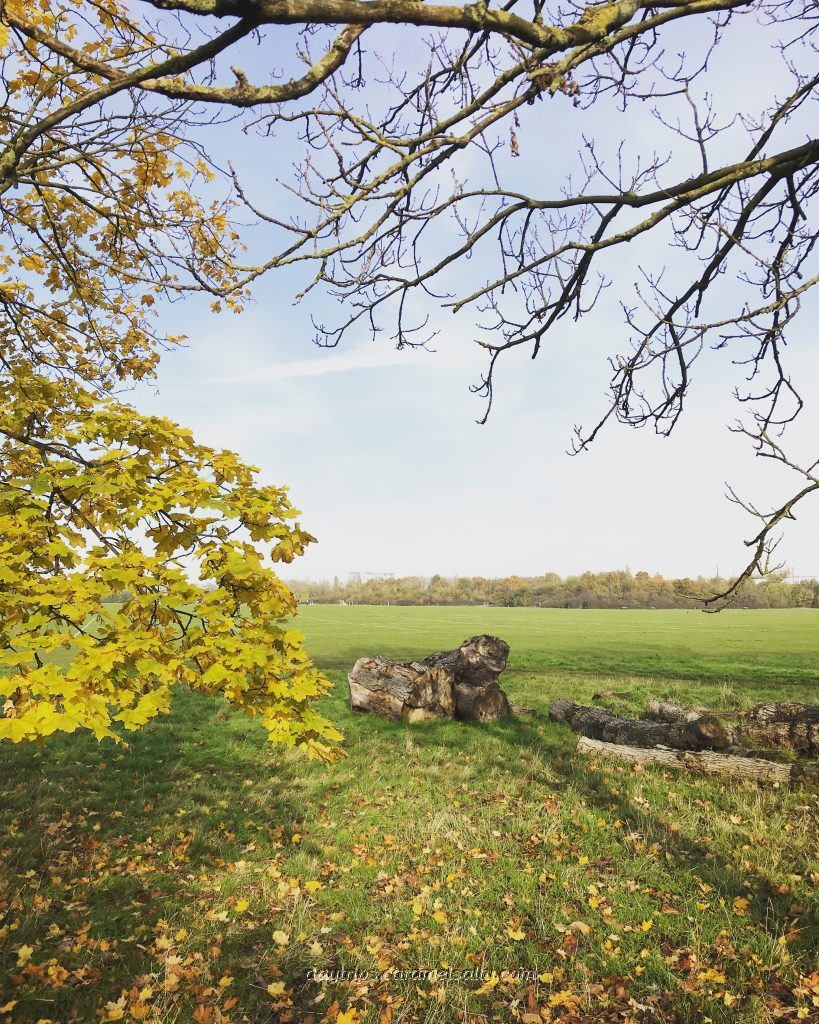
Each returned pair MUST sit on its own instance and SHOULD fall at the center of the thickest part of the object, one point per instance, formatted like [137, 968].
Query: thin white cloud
[339, 361]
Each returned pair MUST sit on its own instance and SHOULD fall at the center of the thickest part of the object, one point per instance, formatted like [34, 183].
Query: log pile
[784, 725]
[695, 740]
[701, 733]
[462, 683]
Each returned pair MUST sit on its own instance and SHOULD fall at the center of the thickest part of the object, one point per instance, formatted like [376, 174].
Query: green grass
[760, 652]
[639, 895]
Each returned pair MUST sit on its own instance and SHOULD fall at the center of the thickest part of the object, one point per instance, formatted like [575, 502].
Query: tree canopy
[101, 223]
[113, 201]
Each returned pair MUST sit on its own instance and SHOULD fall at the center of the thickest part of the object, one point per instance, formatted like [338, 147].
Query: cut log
[448, 684]
[703, 733]
[668, 711]
[475, 667]
[771, 711]
[707, 762]
[788, 725]
[478, 661]
[409, 692]
[784, 725]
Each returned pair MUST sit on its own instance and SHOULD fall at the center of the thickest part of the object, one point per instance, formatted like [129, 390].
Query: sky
[382, 453]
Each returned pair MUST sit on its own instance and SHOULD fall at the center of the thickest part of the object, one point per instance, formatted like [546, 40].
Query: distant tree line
[617, 589]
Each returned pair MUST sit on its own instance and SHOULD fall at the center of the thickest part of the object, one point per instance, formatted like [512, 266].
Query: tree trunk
[707, 762]
[599, 724]
[448, 684]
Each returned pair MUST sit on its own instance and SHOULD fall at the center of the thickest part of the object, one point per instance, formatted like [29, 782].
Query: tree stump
[448, 684]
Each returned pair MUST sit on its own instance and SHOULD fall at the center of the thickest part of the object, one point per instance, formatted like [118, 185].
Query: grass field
[203, 876]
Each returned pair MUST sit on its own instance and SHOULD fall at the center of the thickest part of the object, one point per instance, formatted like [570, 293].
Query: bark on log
[668, 711]
[707, 762]
[475, 667]
[409, 692]
[771, 711]
[784, 725]
[448, 684]
[789, 725]
[706, 732]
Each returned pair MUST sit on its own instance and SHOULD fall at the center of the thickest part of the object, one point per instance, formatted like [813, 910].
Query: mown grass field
[203, 876]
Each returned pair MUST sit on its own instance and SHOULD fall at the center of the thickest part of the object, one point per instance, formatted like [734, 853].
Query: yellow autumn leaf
[711, 974]
[115, 1010]
[489, 985]
[241, 906]
[578, 926]
[32, 262]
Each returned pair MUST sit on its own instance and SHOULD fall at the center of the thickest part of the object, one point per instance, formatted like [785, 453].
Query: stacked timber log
[694, 739]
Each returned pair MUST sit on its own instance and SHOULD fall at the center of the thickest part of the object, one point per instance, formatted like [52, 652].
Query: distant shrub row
[618, 589]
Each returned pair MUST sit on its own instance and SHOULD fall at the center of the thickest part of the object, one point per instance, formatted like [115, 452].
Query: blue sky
[381, 450]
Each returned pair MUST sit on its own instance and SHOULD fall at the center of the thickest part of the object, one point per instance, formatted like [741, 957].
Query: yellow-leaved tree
[132, 558]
